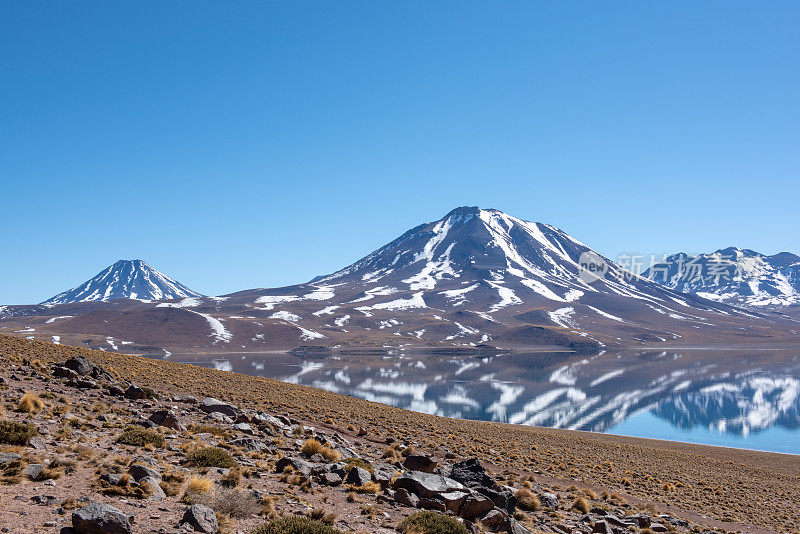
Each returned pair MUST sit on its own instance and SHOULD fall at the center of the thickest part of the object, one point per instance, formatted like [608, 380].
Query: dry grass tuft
[312, 447]
[30, 403]
[527, 500]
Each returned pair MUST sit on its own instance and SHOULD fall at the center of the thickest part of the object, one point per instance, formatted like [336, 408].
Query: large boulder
[139, 471]
[201, 518]
[212, 405]
[168, 419]
[426, 485]
[472, 474]
[80, 365]
[358, 476]
[9, 457]
[475, 505]
[300, 466]
[420, 462]
[99, 518]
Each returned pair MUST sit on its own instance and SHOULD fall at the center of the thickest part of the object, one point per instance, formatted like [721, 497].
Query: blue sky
[253, 144]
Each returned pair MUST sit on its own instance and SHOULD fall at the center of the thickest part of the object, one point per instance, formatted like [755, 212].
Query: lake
[736, 398]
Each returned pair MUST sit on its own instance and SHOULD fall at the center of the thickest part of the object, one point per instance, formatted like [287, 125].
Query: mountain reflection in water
[739, 394]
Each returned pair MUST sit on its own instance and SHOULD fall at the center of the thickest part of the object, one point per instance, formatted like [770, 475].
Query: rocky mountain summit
[733, 275]
[125, 279]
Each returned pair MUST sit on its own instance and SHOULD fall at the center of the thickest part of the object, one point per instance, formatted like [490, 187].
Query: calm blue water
[745, 399]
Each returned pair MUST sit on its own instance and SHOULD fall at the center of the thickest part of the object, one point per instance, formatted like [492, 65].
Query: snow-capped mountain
[733, 275]
[126, 279]
[474, 277]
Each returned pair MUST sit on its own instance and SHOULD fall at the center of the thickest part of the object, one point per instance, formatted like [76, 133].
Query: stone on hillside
[99, 518]
[212, 405]
[157, 493]
[201, 518]
[80, 365]
[330, 479]
[168, 419]
[549, 500]
[300, 466]
[475, 505]
[243, 427]
[358, 476]
[472, 474]
[403, 496]
[453, 500]
[135, 392]
[139, 471]
[64, 372]
[427, 485]
[496, 520]
[419, 462]
[34, 471]
[9, 457]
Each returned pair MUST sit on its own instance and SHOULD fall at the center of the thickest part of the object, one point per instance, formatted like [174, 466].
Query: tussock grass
[312, 447]
[527, 500]
[211, 457]
[431, 523]
[14, 433]
[30, 403]
[141, 437]
[295, 525]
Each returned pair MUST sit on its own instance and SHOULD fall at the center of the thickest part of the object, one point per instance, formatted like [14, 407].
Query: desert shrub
[211, 457]
[312, 447]
[580, 505]
[14, 433]
[30, 403]
[295, 525]
[140, 436]
[431, 523]
[236, 503]
[369, 487]
[527, 500]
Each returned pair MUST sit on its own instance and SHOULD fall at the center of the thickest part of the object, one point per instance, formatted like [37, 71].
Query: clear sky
[243, 144]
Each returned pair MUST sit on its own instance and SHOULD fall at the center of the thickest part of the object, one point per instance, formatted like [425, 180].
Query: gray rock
[549, 500]
[212, 405]
[9, 457]
[200, 518]
[383, 477]
[243, 427]
[358, 476]
[453, 500]
[187, 399]
[99, 518]
[250, 444]
[432, 504]
[157, 493]
[426, 485]
[475, 505]
[419, 462]
[472, 474]
[601, 527]
[496, 520]
[64, 372]
[135, 392]
[301, 466]
[34, 471]
[330, 479]
[80, 365]
[37, 443]
[139, 471]
[515, 527]
[168, 419]
[405, 497]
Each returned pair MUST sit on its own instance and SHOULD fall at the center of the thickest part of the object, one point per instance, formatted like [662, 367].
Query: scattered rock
[420, 462]
[99, 518]
[34, 471]
[168, 419]
[135, 393]
[426, 485]
[358, 476]
[212, 405]
[9, 457]
[549, 500]
[139, 471]
[201, 518]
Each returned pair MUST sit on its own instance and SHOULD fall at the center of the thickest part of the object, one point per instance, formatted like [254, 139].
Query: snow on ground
[415, 301]
[218, 329]
[328, 310]
[110, 341]
[341, 321]
[572, 295]
[606, 315]
[189, 302]
[543, 290]
[25, 330]
[286, 316]
[270, 301]
[309, 334]
[463, 331]
[507, 297]
[375, 292]
[562, 317]
[607, 376]
[57, 340]
[456, 296]
[54, 319]
[320, 293]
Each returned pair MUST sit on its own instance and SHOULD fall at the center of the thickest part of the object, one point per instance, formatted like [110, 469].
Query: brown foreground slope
[721, 488]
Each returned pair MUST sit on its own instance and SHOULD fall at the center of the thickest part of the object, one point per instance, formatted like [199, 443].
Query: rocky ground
[100, 442]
